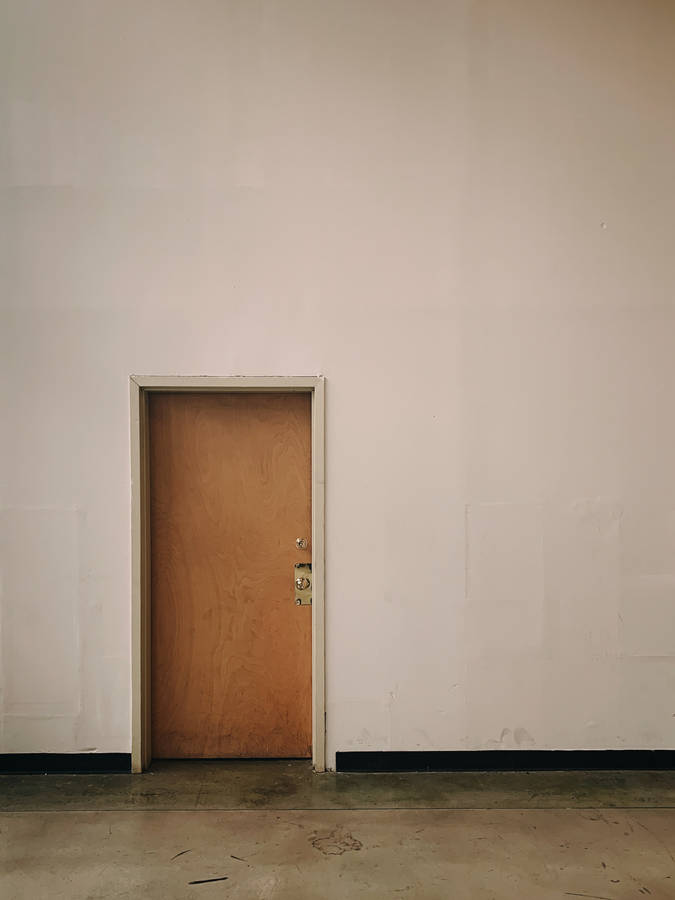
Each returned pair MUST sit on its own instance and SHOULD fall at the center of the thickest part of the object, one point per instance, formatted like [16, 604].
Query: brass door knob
[301, 543]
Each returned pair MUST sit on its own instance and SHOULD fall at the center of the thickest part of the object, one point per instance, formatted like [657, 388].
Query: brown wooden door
[230, 491]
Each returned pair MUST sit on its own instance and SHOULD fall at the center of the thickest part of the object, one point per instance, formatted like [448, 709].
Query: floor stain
[336, 842]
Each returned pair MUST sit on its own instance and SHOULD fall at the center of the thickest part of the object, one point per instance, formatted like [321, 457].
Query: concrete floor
[275, 830]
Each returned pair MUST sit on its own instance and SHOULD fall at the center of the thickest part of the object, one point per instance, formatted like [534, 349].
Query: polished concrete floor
[275, 830]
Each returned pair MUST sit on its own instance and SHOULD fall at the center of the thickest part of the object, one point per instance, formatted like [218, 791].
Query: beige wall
[462, 214]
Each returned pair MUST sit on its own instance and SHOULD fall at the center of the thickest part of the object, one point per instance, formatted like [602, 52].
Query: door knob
[301, 543]
[302, 583]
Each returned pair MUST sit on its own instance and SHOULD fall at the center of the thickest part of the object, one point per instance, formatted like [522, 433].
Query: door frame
[141, 386]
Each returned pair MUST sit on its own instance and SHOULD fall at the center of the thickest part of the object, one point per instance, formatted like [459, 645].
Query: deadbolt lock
[303, 584]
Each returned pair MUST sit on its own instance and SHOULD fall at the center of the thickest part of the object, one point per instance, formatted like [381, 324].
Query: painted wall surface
[461, 213]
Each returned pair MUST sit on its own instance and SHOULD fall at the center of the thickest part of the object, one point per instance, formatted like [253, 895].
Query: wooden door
[230, 491]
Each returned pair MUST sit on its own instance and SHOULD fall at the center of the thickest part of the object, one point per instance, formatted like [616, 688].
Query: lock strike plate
[302, 584]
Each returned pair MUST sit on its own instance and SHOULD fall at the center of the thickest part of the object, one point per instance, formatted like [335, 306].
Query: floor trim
[504, 760]
[64, 763]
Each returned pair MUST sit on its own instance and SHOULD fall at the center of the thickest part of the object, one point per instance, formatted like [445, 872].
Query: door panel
[230, 491]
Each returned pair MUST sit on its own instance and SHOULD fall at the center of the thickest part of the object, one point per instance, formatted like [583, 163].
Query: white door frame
[140, 387]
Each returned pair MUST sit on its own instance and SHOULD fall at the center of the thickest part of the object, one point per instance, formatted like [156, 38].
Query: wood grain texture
[230, 491]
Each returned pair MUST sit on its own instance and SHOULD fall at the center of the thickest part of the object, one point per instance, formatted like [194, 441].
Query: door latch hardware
[301, 543]
[303, 584]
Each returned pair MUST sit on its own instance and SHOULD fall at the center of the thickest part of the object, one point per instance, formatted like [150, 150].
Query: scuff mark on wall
[523, 738]
[366, 723]
[519, 739]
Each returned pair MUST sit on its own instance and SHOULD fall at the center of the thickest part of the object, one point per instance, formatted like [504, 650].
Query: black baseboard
[504, 760]
[64, 763]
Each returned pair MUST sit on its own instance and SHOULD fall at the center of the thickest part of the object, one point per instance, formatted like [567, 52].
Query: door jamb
[141, 386]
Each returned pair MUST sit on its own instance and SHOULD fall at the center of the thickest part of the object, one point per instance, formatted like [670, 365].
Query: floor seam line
[334, 809]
